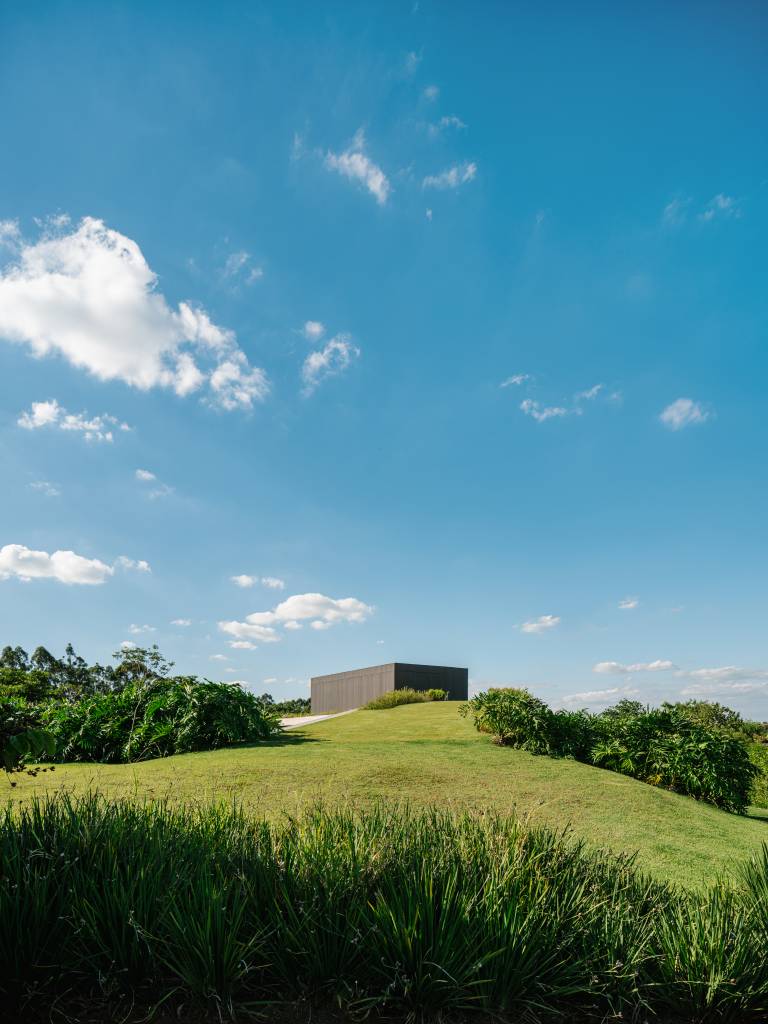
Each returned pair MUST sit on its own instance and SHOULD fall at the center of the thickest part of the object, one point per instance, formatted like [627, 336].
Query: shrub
[394, 698]
[155, 719]
[758, 755]
[386, 914]
[662, 746]
[514, 717]
[437, 694]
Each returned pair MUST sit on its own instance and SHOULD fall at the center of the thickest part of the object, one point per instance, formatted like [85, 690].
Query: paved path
[295, 723]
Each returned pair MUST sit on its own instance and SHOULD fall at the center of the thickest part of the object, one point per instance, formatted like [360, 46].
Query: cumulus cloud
[313, 330]
[628, 603]
[331, 360]
[616, 668]
[599, 696]
[355, 165]
[683, 412]
[132, 564]
[23, 563]
[543, 413]
[321, 611]
[244, 580]
[540, 625]
[88, 294]
[452, 177]
[51, 414]
[723, 680]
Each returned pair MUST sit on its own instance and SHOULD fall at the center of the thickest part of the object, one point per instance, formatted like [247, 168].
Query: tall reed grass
[413, 914]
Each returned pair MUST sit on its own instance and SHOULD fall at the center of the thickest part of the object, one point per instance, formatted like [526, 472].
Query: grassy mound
[427, 755]
[121, 904]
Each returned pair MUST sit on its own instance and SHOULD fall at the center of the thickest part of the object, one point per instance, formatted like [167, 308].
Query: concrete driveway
[295, 723]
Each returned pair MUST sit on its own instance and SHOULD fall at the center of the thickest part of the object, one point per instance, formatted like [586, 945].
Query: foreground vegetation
[697, 748]
[427, 755]
[136, 710]
[405, 695]
[390, 910]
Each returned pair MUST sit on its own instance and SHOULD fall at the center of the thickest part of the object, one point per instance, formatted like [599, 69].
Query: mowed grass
[425, 754]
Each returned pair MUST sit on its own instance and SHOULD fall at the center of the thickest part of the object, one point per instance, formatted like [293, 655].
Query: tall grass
[415, 914]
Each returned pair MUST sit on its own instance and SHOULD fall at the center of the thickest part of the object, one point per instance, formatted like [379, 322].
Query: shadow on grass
[286, 739]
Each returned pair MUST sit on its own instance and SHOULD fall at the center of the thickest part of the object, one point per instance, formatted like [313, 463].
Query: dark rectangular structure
[344, 691]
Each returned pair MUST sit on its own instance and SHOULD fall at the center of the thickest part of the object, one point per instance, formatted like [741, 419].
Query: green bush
[154, 719]
[111, 910]
[665, 746]
[437, 694]
[758, 755]
[394, 698]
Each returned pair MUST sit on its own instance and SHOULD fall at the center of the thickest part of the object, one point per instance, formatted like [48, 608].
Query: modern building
[343, 691]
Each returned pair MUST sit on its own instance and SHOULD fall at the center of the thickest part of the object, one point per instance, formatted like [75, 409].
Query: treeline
[696, 748]
[133, 710]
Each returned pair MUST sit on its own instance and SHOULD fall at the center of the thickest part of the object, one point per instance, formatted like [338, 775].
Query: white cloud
[379, 641]
[327, 611]
[51, 414]
[9, 233]
[293, 625]
[431, 93]
[675, 211]
[450, 121]
[135, 629]
[548, 412]
[181, 622]
[589, 394]
[242, 645]
[452, 177]
[355, 165]
[161, 490]
[683, 412]
[137, 565]
[428, 213]
[89, 295]
[720, 206]
[628, 603]
[313, 330]
[63, 566]
[599, 696]
[724, 680]
[616, 668]
[273, 582]
[540, 625]
[244, 580]
[411, 63]
[127, 645]
[270, 679]
[218, 657]
[239, 265]
[334, 358]
[45, 487]
[515, 380]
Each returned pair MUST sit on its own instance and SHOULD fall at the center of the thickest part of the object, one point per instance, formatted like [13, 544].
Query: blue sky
[444, 326]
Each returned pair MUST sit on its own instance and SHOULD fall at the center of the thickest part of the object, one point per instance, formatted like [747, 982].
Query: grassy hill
[427, 754]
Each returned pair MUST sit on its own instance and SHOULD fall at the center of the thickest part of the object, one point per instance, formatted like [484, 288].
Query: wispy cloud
[617, 668]
[245, 581]
[240, 268]
[540, 625]
[542, 413]
[354, 164]
[331, 360]
[313, 330]
[608, 696]
[452, 177]
[430, 93]
[181, 622]
[675, 212]
[723, 680]
[46, 487]
[158, 488]
[628, 603]
[683, 412]
[720, 206]
[515, 380]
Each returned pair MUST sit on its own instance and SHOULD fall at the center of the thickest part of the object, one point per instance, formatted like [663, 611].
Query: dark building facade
[343, 691]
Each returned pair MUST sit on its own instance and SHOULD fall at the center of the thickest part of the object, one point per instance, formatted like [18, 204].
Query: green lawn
[427, 754]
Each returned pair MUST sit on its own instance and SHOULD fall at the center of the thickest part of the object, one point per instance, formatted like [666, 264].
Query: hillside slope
[427, 754]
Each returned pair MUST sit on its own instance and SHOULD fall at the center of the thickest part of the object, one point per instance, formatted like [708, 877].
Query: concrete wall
[343, 691]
